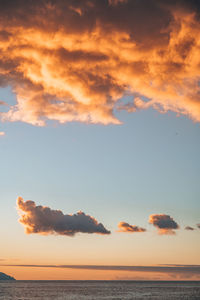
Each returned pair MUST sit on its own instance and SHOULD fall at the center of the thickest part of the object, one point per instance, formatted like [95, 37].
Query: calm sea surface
[77, 290]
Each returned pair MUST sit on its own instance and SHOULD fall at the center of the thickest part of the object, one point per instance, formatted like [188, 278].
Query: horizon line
[174, 268]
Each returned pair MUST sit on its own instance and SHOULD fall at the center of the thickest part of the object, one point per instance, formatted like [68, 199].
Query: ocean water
[88, 290]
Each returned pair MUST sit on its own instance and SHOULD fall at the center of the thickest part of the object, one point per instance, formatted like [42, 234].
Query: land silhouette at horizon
[4, 276]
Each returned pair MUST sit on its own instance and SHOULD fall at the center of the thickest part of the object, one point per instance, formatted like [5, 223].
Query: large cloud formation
[44, 220]
[72, 60]
[125, 227]
[164, 223]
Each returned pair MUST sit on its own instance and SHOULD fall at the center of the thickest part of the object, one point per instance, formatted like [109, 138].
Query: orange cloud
[44, 220]
[125, 227]
[73, 60]
[2, 133]
[164, 223]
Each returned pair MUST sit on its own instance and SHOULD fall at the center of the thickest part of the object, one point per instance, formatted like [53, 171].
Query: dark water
[77, 290]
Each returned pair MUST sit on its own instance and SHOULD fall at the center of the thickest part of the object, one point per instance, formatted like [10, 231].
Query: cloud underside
[72, 60]
[126, 227]
[164, 223]
[44, 220]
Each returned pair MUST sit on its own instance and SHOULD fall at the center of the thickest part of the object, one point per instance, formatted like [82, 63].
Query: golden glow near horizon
[106, 273]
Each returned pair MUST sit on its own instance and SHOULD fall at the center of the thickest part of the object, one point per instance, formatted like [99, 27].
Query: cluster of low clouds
[164, 224]
[44, 220]
[72, 60]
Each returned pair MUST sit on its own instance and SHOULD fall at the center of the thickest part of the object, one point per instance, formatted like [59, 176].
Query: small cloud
[2, 133]
[3, 103]
[164, 223]
[44, 220]
[198, 225]
[189, 228]
[125, 227]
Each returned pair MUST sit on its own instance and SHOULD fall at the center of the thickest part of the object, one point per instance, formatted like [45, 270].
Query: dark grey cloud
[44, 220]
[84, 15]
[198, 225]
[164, 223]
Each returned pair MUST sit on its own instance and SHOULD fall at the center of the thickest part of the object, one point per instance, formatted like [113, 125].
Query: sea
[88, 290]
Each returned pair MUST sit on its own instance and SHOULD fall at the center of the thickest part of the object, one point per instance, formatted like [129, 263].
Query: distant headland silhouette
[4, 276]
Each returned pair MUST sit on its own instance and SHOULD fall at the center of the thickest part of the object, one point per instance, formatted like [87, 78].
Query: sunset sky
[100, 139]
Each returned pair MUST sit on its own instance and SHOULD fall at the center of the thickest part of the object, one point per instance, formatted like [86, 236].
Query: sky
[99, 139]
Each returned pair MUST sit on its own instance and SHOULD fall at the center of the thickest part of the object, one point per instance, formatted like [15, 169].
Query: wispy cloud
[44, 220]
[70, 60]
[125, 227]
[189, 228]
[184, 270]
[164, 223]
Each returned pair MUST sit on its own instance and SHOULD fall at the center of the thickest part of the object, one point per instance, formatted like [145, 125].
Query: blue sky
[148, 164]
